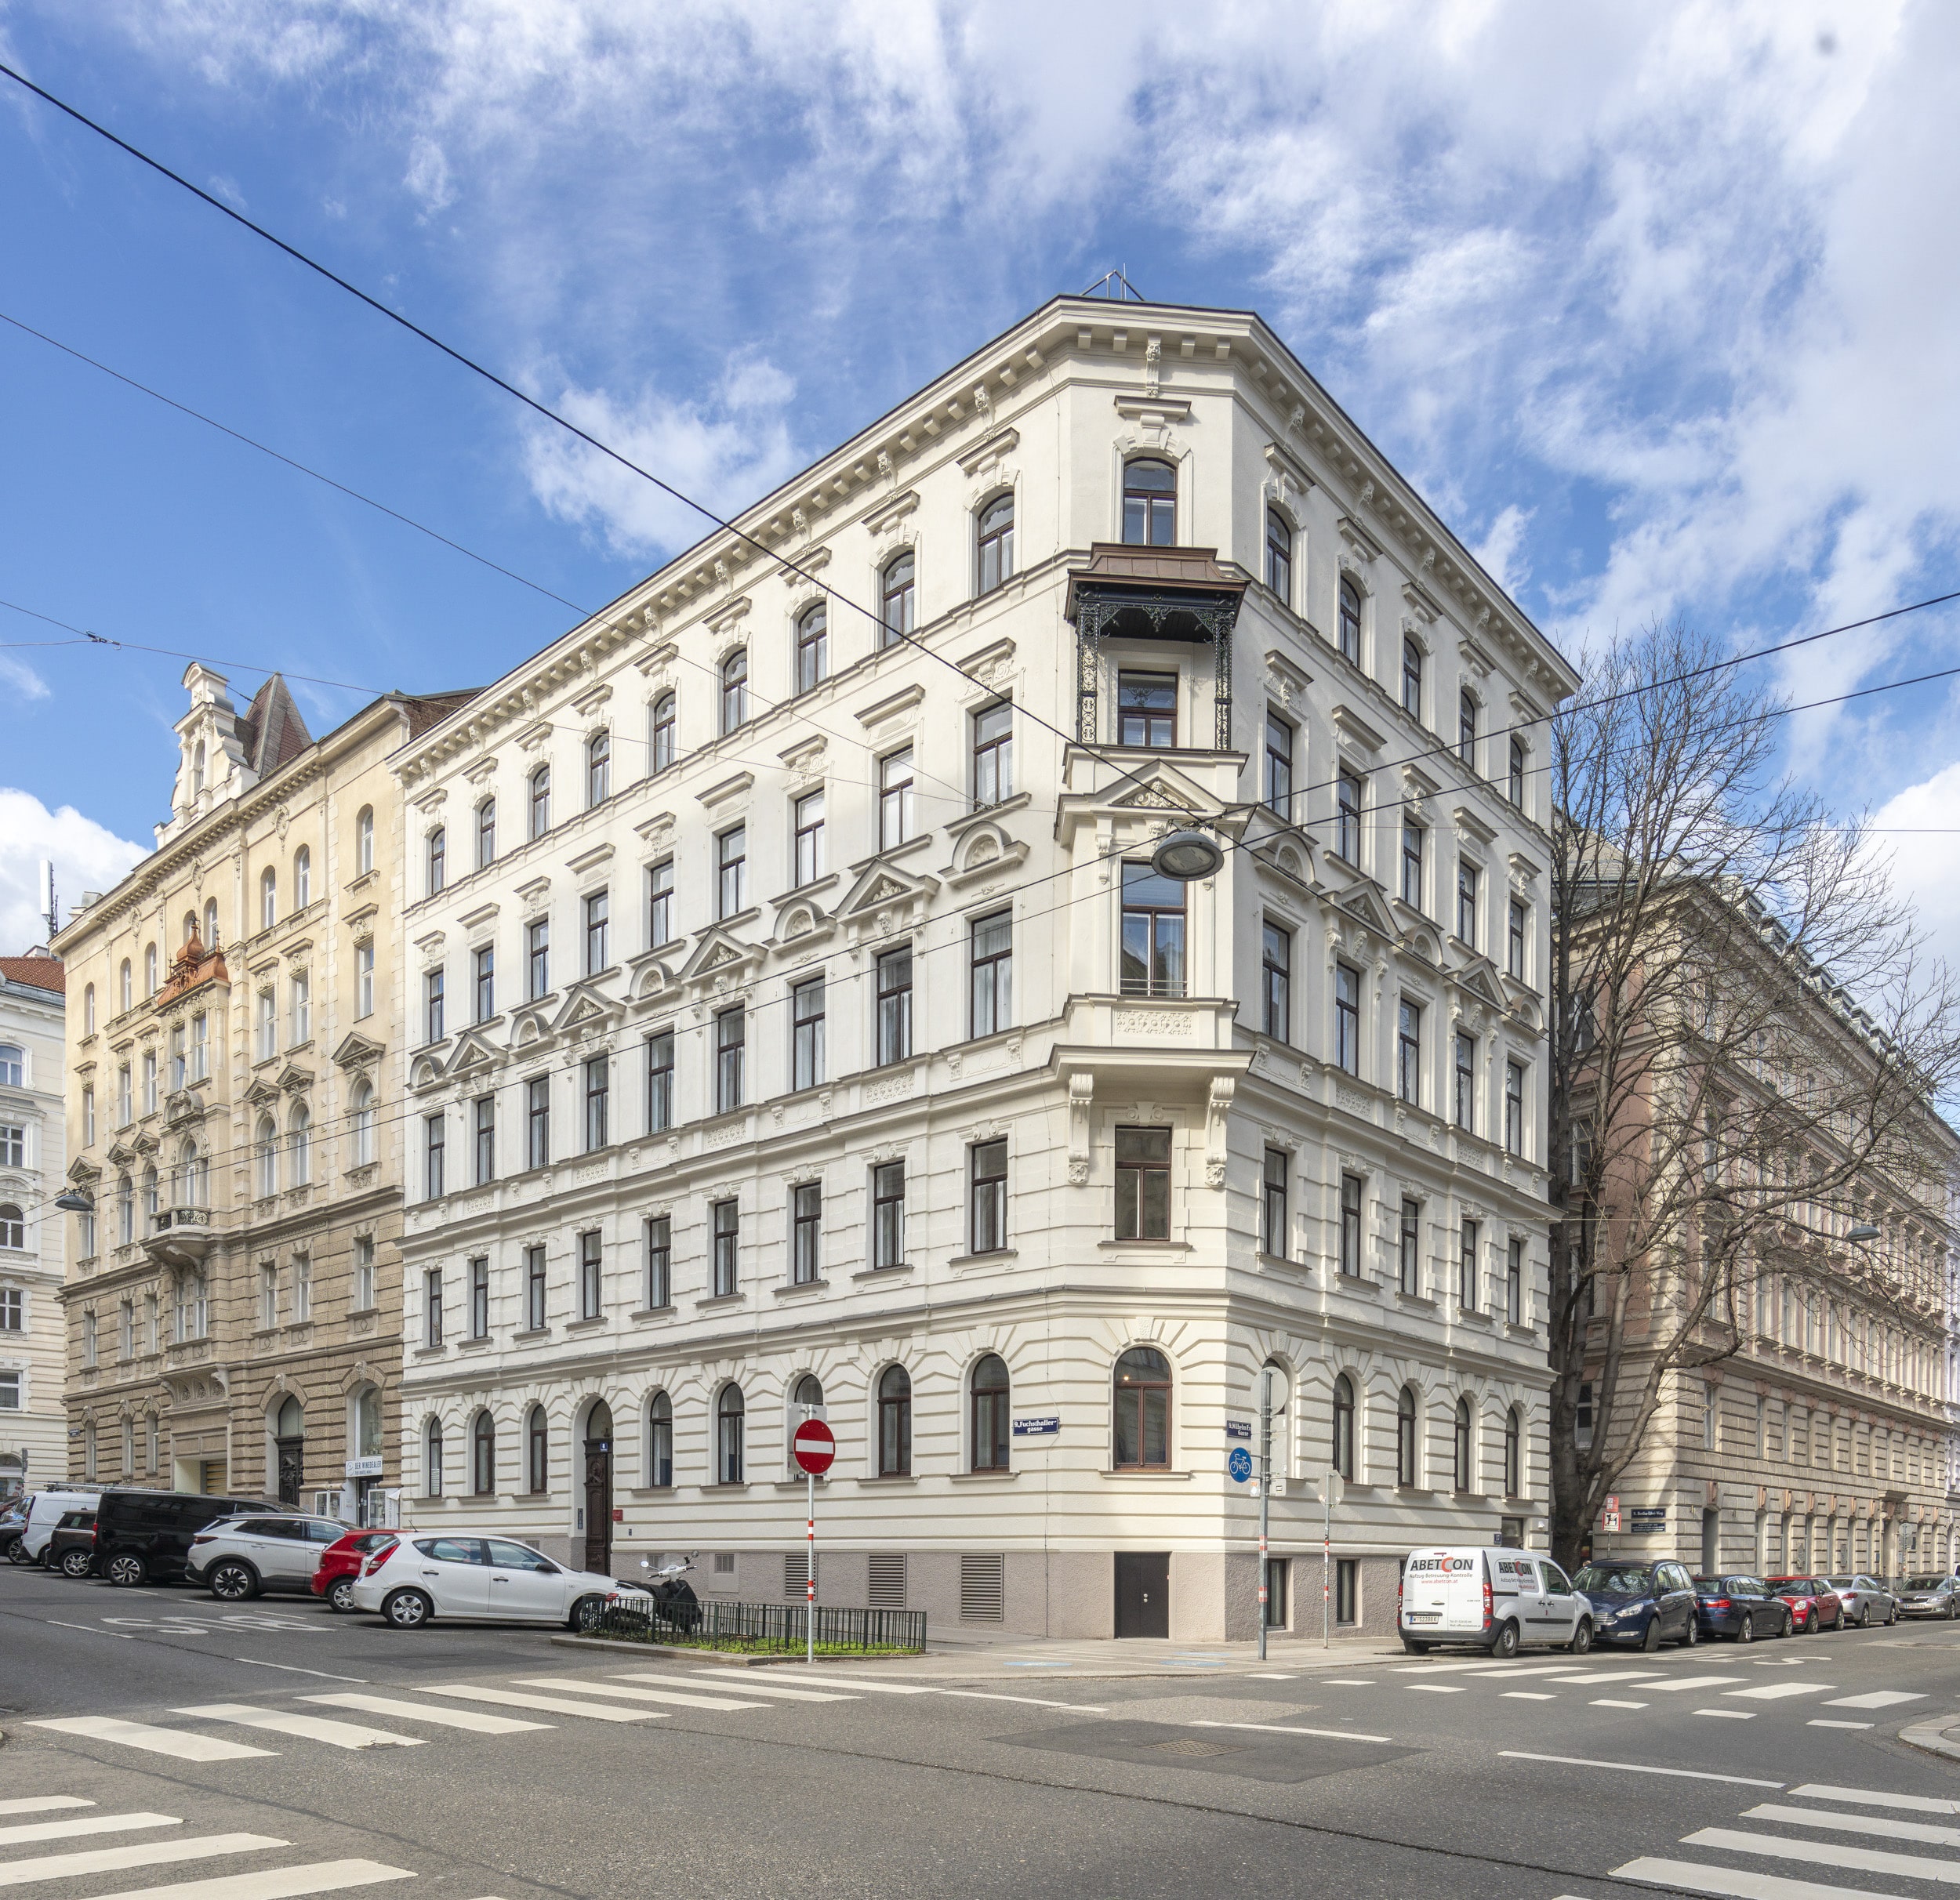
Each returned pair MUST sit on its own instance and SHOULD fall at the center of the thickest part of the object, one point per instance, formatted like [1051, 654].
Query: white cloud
[724, 451]
[19, 677]
[1497, 552]
[87, 856]
[1919, 829]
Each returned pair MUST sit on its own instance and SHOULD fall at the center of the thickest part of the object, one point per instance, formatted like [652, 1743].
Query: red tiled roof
[44, 972]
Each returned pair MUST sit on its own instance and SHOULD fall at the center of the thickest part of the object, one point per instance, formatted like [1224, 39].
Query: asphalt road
[201, 1752]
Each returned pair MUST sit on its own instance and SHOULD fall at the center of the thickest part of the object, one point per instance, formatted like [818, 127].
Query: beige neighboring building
[32, 1146]
[234, 1302]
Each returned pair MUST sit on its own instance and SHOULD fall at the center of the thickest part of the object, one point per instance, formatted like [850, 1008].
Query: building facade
[234, 1307]
[1804, 1420]
[33, 1152]
[799, 1025]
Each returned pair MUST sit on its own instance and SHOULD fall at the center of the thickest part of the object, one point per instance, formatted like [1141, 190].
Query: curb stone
[1932, 1736]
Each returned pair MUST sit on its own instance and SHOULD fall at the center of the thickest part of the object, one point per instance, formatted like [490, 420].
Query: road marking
[1350, 1682]
[293, 1668]
[1435, 1688]
[1878, 1797]
[1691, 1877]
[1777, 1691]
[312, 1727]
[1606, 1702]
[89, 1628]
[1706, 1682]
[1727, 1715]
[180, 1743]
[1432, 1668]
[982, 1696]
[274, 1884]
[1526, 1695]
[1819, 1722]
[1926, 1832]
[1878, 1699]
[1510, 1669]
[862, 1682]
[756, 1688]
[421, 1712]
[1638, 1767]
[114, 1860]
[93, 1824]
[1828, 1853]
[1617, 1677]
[42, 1804]
[555, 1704]
[680, 1698]
[1260, 1675]
[1278, 1728]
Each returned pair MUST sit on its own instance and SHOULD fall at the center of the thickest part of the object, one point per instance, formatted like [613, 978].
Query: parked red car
[340, 1564]
[1813, 1604]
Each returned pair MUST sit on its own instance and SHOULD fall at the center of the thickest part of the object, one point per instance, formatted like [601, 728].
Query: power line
[183, 408]
[511, 389]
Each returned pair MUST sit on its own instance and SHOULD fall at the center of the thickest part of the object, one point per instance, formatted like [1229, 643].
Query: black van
[144, 1536]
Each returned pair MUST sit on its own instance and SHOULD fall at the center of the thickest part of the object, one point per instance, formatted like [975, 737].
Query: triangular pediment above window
[85, 1173]
[585, 1002]
[1365, 901]
[292, 1078]
[1480, 979]
[356, 1052]
[263, 1092]
[119, 1154]
[881, 884]
[473, 1049]
[718, 953]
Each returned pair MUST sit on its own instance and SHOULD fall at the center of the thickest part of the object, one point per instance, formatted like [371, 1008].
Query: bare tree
[1748, 1044]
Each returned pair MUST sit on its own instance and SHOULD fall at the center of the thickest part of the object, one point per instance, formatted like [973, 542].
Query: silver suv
[237, 1558]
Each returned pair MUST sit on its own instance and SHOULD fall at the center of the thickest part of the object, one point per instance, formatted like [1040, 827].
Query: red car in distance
[341, 1564]
[1813, 1604]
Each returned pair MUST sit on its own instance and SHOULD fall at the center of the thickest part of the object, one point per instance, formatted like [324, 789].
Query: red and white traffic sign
[813, 1447]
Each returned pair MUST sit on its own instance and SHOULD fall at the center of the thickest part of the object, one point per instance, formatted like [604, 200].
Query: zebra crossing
[1847, 1833]
[518, 1706]
[1730, 1692]
[86, 1840]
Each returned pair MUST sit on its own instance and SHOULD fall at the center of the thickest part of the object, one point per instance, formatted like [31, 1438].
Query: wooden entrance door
[598, 1552]
[1143, 1592]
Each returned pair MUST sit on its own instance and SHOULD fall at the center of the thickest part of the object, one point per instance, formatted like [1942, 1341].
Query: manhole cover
[1190, 1745]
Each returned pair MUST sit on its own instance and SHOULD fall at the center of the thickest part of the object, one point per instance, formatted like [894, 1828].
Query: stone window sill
[715, 1302]
[1144, 1477]
[1145, 1251]
[999, 1256]
[794, 1289]
[1357, 1283]
[885, 1273]
[585, 1325]
[536, 1332]
[1422, 1302]
[1519, 1330]
[890, 1477]
[1002, 1476]
[429, 1352]
[482, 1345]
[659, 1312]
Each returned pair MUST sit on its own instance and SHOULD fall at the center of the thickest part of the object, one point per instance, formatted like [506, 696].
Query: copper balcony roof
[1163, 571]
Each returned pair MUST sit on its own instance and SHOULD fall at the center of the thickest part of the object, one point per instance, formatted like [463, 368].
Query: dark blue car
[1646, 1604]
[1738, 1607]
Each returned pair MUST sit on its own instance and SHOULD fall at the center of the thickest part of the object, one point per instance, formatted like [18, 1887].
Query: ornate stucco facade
[33, 1151]
[719, 1091]
[234, 1304]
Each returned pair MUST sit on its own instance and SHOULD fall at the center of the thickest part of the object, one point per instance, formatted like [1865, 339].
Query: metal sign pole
[809, 1563]
[1265, 1497]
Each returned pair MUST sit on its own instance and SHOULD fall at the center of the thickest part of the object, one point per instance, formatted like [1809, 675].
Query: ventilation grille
[795, 1577]
[982, 1585]
[888, 1580]
[724, 1563]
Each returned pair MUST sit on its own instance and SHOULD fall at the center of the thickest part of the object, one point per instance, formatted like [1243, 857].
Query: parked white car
[1495, 1599]
[44, 1514]
[419, 1576]
[237, 1558]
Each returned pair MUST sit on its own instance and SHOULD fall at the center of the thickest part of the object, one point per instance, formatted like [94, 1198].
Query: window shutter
[982, 1586]
[888, 1580]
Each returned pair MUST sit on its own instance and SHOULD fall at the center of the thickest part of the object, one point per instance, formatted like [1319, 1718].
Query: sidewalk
[971, 1658]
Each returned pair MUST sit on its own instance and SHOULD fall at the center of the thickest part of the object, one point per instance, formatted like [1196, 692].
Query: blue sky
[1655, 303]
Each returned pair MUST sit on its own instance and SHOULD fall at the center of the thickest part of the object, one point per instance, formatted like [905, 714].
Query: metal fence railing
[762, 1626]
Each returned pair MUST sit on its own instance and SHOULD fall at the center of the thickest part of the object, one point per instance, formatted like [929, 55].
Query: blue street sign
[1240, 1464]
[1046, 1427]
[1238, 1428]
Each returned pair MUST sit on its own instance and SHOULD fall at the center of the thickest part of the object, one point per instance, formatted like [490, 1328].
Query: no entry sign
[813, 1447]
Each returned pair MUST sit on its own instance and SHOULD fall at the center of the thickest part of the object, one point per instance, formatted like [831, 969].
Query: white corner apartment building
[800, 1024]
[33, 1153]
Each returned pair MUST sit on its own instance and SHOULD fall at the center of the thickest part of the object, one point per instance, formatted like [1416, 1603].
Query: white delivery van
[45, 1513]
[1496, 1599]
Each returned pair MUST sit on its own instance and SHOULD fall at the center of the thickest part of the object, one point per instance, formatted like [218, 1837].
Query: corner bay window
[1141, 1425]
[1143, 1183]
[1153, 933]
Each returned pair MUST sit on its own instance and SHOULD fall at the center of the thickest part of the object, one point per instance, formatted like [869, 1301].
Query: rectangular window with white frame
[1274, 1230]
[598, 1081]
[591, 1274]
[807, 838]
[730, 1055]
[480, 1298]
[1279, 743]
[731, 871]
[1465, 1074]
[658, 1239]
[1409, 1051]
[1517, 936]
[432, 1307]
[806, 1233]
[598, 931]
[1275, 981]
[888, 1214]
[990, 964]
[1467, 1288]
[806, 1005]
[993, 754]
[1351, 1231]
[1409, 1247]
[987, 1196]
[894, 1005]
[660, 904]
[1469, 881]
[1514, 1281]
[535, 1289]
[659, 1081]
[1347, 1018]
[725, 1229]
[895, 821]
[434, 1141]
[1514, 1108]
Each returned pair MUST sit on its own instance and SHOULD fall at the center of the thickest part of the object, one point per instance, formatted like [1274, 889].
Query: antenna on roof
[50, 904]
[1116, 286]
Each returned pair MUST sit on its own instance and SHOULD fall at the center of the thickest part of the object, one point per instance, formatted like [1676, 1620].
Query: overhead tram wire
[604, 448]
[529, 401]
[956, 942]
